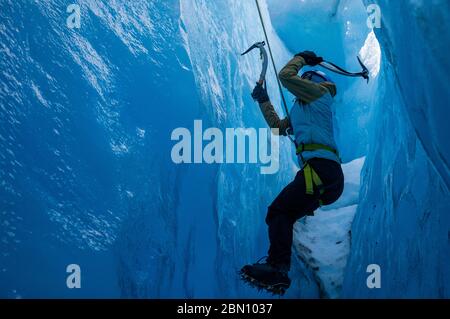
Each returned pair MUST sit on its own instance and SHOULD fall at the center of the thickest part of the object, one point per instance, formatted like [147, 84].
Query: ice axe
[325, 64]
[264, 58]
[265, 64]
[337, 69]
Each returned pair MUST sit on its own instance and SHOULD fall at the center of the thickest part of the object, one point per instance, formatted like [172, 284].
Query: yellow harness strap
[311, 180]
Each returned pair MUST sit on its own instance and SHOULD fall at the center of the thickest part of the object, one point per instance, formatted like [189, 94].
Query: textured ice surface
[403, 219]
[85, 169]
[322, 241]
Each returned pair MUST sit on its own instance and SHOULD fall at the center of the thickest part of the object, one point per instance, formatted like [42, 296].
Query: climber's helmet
[316, 76]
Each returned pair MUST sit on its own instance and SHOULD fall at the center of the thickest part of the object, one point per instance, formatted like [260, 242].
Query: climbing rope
[325, 64]
[273, 61]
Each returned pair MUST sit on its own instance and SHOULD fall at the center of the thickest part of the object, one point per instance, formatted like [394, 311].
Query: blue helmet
[316, 76]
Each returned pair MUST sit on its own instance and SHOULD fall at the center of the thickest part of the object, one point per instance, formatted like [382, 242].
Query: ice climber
[319, 182]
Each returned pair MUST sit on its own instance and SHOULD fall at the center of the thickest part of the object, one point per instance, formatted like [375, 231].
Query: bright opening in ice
[370, 53]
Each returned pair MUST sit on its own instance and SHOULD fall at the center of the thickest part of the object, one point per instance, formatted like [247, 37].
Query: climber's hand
[310, 58]
[260, 94]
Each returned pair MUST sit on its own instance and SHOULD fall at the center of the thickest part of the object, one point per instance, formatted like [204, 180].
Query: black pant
[293, 203]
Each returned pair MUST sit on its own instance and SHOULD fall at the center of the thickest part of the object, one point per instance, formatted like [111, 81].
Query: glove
[260, 94]
[310, 58]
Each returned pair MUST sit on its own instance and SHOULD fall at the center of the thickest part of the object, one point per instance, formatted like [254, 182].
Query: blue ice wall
[87, 114]
[403, 220]
[86, 121]
[86, 175]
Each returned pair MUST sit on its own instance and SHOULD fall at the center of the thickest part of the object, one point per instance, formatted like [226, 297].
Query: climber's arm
[270, 115]
[272, 118]
[307, 91]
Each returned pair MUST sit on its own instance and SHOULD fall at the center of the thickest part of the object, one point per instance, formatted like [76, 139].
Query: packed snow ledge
[322, 241]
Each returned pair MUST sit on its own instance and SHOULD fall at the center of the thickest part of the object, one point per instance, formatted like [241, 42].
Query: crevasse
[86, 175]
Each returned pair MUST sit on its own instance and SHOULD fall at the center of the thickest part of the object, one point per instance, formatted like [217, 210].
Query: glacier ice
[403, 223]
[86, 176]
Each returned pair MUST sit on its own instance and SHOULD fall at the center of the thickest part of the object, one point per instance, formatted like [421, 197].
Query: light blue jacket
[311, 117]
[313, 124]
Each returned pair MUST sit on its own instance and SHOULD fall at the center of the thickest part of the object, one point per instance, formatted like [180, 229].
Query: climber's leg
[291, 204]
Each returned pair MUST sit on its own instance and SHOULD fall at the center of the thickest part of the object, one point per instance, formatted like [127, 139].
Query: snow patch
[370, 53]
[322, 241]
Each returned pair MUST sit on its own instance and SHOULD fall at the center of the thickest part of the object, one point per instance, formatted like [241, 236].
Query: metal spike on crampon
[278, 289]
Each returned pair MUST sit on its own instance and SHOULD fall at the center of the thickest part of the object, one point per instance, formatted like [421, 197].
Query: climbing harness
[315, 147]
[312, 179]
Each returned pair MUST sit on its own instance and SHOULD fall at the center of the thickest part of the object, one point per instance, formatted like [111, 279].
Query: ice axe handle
[365, 71]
